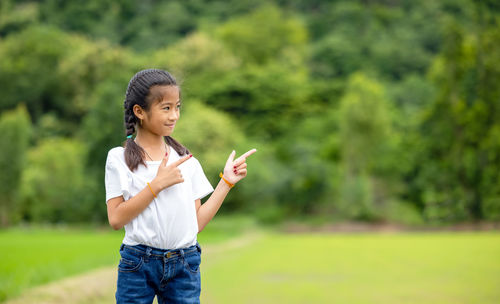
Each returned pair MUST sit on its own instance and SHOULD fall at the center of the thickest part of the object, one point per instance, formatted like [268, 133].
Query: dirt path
[99, 285]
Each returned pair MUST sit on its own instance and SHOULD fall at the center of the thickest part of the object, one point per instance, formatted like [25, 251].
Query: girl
[154, 189]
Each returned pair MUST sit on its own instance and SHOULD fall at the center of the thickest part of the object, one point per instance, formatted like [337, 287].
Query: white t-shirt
[169, 221]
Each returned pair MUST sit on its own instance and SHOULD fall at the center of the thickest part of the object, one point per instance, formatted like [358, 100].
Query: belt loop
[181, 251]
[148, 254]
[198, 247]
[122, 246]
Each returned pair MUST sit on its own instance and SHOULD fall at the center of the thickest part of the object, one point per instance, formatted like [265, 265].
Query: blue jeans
[172, 275]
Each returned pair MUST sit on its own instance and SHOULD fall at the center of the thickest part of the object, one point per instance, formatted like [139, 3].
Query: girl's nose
[173, 116]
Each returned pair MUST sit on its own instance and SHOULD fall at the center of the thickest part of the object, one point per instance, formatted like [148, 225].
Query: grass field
[31, 257]
[283, 268]
[359, 268]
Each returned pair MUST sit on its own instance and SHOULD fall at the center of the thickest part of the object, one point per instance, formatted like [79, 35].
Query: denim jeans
[172, 275]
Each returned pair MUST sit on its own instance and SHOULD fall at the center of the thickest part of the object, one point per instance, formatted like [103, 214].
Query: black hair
[138, 93]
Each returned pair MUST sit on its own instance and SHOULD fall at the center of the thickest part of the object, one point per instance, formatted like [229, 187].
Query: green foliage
[28, 75]
[335, 56]
[263, 35]
[359, 110]
[51, 71]
[270, 98]
[54, 187]
[459, 153]
[15, 127]
[365, 126]
[14, 18]
[199, 62]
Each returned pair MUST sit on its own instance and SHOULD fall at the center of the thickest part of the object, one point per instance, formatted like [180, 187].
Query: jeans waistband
[153, 252]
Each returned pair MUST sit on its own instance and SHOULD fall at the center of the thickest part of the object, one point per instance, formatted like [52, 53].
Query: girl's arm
[121, 212]
[207, 211]
[234, 171]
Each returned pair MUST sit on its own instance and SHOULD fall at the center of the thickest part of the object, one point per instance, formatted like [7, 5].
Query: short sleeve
[115, 179]
[201, 185]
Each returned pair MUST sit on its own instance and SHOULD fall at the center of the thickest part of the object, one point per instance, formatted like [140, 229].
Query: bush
[55, 188]
[15, 127]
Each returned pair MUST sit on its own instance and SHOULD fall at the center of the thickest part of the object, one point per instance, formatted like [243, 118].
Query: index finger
[247, 154]
[243, 158]
[180, 161]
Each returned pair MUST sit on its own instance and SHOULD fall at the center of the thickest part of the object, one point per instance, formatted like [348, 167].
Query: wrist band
[227, 182]
[151, 189]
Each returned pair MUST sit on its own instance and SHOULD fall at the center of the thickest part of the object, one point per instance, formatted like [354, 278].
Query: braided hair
[138, 93]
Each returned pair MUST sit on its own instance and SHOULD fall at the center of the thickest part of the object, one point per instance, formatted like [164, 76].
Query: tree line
[361, 110]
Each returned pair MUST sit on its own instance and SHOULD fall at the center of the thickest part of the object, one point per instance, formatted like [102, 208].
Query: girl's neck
[149, 140]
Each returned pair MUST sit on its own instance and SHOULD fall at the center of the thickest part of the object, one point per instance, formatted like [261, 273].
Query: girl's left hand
[236, 169]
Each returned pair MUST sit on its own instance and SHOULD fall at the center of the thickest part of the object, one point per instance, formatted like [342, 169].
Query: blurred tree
[28, 74]
[158, 25]
[368, 146]
[264, 35]
[199, 62]
[54, 74]
[15, 17]
[396, 53]
[335, 56]
[459, 180]
[290, 77]
[365, 124]
[266, 99]
[55, 188]
[307, 159]
[15, 127]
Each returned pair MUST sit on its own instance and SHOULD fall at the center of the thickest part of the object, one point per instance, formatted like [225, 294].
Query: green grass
[33, 256]
[358, 268]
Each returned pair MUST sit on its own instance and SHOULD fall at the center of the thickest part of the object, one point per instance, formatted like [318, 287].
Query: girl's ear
[138, 111]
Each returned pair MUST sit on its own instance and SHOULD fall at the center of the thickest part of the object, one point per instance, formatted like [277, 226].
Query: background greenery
[361, 110]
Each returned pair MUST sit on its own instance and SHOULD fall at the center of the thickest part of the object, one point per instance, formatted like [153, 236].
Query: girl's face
[164, 110]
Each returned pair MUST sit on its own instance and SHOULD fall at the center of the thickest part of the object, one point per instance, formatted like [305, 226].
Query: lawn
[34, 256]
[358, 268]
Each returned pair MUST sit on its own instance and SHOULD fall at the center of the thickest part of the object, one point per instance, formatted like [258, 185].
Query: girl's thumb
[231, 157]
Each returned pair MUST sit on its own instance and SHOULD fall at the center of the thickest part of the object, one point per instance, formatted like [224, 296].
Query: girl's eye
[168, 107]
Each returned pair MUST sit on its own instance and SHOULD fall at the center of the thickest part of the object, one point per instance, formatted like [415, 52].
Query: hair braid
[130, 121]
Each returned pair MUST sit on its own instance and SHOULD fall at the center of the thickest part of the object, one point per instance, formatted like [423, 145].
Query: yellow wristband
[227, 182]
[151, 189]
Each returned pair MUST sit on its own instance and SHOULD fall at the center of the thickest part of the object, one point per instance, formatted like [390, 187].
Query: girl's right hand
[168, 175]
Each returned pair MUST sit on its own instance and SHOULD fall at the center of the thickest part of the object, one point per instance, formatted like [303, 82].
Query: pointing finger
[247, 154]
[243, 158]
[180, 161]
